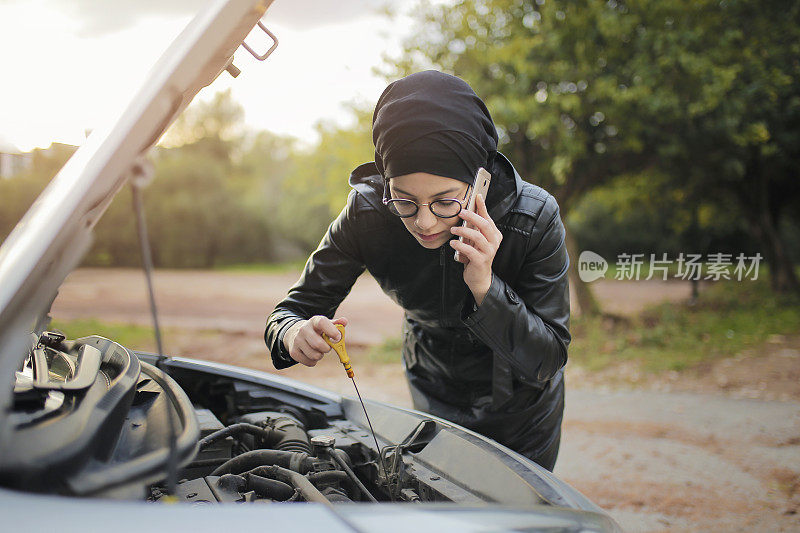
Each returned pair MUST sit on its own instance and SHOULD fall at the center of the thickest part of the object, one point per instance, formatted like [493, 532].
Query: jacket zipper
[444, 279]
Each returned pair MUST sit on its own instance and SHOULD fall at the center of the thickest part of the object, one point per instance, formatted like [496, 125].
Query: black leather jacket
[497, 368]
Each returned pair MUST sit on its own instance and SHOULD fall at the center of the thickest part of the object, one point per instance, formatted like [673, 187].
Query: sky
[66, 64]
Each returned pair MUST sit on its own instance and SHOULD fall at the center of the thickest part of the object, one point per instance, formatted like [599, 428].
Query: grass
[729, 317]
[389, 351]
[129, 335]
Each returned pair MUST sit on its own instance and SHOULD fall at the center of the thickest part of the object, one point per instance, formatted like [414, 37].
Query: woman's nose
[425, 219]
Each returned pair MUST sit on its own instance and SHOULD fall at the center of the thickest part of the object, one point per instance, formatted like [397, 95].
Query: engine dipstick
[341, 351]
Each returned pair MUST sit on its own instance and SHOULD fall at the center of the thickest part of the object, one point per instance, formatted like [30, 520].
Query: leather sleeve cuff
[472, 314]
[280, 356]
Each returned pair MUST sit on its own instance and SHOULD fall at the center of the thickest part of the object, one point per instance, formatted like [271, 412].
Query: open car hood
[56, 232]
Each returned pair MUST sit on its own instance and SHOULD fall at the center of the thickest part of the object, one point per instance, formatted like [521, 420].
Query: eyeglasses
[442, 208]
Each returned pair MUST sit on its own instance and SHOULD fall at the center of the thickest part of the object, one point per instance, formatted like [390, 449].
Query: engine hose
[341, 462]
[293, 437]
[308, 491]
[232, 482]
[271, 488]
[328, 476]
[268, 435]
[296, 461]
[260, 471]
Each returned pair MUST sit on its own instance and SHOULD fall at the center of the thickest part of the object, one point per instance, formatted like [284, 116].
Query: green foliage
[128, 335]
[625, 217]
[317, 187]
[663, 125]
[728, 318]
[388, 352]
[221, 195]
[701, 93]
[220, 119]
[18, 192]
[213, 200]
[195, 215]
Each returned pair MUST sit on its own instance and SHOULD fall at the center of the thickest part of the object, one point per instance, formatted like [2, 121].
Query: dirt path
[657, 459]
[233, 303]
[684, 462]
[240, 302]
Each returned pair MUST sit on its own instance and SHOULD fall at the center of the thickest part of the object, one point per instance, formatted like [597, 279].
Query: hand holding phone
[479, 186]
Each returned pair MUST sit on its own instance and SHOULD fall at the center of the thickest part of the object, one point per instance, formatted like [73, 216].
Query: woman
[484, 339]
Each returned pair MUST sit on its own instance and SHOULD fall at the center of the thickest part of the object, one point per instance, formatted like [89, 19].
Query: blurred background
[663, 128]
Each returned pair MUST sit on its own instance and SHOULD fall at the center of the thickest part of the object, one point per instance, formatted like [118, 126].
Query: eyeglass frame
[386, 200]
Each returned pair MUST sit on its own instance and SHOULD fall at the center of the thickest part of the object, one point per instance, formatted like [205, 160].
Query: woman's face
[429, 230]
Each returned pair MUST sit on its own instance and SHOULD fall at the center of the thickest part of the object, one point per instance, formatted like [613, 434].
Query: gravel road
[687, 462]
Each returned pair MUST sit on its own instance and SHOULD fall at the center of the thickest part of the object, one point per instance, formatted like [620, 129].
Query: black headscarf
[432, 122]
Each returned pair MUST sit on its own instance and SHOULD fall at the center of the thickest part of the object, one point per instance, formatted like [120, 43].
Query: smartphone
[480, 186]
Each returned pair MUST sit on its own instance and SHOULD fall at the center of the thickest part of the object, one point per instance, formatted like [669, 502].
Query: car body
[92, 432]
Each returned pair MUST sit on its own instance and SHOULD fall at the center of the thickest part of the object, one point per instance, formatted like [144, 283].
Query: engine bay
[91, 418]
[270, 456]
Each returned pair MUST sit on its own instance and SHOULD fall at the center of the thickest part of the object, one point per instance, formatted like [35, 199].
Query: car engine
[269, 456]
[91, 418]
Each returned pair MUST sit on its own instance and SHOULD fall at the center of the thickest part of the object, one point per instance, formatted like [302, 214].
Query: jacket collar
[366, 180]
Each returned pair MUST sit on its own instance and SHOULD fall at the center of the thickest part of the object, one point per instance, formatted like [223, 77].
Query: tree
[585, 92]
[18, 192]
[317, 187]
[202, 207]
[218, 124]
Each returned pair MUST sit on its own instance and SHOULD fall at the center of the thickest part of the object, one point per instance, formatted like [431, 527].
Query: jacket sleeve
[527, 324]
[326, 280]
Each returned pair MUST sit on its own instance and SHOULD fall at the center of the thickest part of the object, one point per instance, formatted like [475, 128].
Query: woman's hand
[304, 341]
[477, 252]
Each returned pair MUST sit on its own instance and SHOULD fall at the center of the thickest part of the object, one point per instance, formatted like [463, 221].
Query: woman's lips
[431, 237]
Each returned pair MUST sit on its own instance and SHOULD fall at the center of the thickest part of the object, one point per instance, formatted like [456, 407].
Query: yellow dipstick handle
[340, 350]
